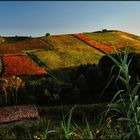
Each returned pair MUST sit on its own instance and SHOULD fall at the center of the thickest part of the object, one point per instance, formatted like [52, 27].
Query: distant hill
[55, 52]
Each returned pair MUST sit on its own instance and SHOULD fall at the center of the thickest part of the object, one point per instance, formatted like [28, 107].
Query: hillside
[61, 53]
[57, 70]
[117, 39]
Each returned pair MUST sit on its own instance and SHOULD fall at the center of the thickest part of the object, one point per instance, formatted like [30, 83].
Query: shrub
[124, 107]
[10, 90]
[48, 34]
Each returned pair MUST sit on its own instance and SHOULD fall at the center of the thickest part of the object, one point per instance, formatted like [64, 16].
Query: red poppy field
[94, 43]
[20, 65]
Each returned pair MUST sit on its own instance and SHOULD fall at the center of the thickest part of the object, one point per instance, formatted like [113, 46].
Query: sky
[36, 18]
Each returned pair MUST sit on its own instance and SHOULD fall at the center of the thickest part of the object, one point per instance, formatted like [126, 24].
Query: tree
[104, 30]
[47, 34]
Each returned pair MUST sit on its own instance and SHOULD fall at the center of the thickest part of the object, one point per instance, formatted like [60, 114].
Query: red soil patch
[20, 65]
[94, 43]
[15, 113]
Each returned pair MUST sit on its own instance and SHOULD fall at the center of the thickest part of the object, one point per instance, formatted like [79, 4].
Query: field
[115, 39]
[68, 52]
[18, 65]
[15, 46]
[127, 35]
[93, 43]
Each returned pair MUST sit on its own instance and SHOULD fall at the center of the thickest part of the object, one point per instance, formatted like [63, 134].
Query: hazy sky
[60, 17]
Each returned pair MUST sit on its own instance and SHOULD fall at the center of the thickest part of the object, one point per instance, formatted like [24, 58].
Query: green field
[68, 52]
[71, 50]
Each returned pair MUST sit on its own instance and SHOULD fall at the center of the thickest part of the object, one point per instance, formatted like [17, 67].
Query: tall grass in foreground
[67, 129]
[66, 126]
[124, 108]
[74, 131]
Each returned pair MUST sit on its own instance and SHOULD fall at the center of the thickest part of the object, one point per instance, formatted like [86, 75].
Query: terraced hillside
[67, 52]
[58, 53]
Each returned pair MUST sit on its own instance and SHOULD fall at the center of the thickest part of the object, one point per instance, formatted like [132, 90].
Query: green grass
[65, 58]
[73, 50]
[79, 109]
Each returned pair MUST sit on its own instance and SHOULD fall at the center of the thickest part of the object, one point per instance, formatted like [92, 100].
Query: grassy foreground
[51, 124]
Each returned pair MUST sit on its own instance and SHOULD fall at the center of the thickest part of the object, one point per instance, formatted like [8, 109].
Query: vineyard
[60, 51]
[57, 52]
[94, 43]
[68, 52]
[116, 39]
[20, 65]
